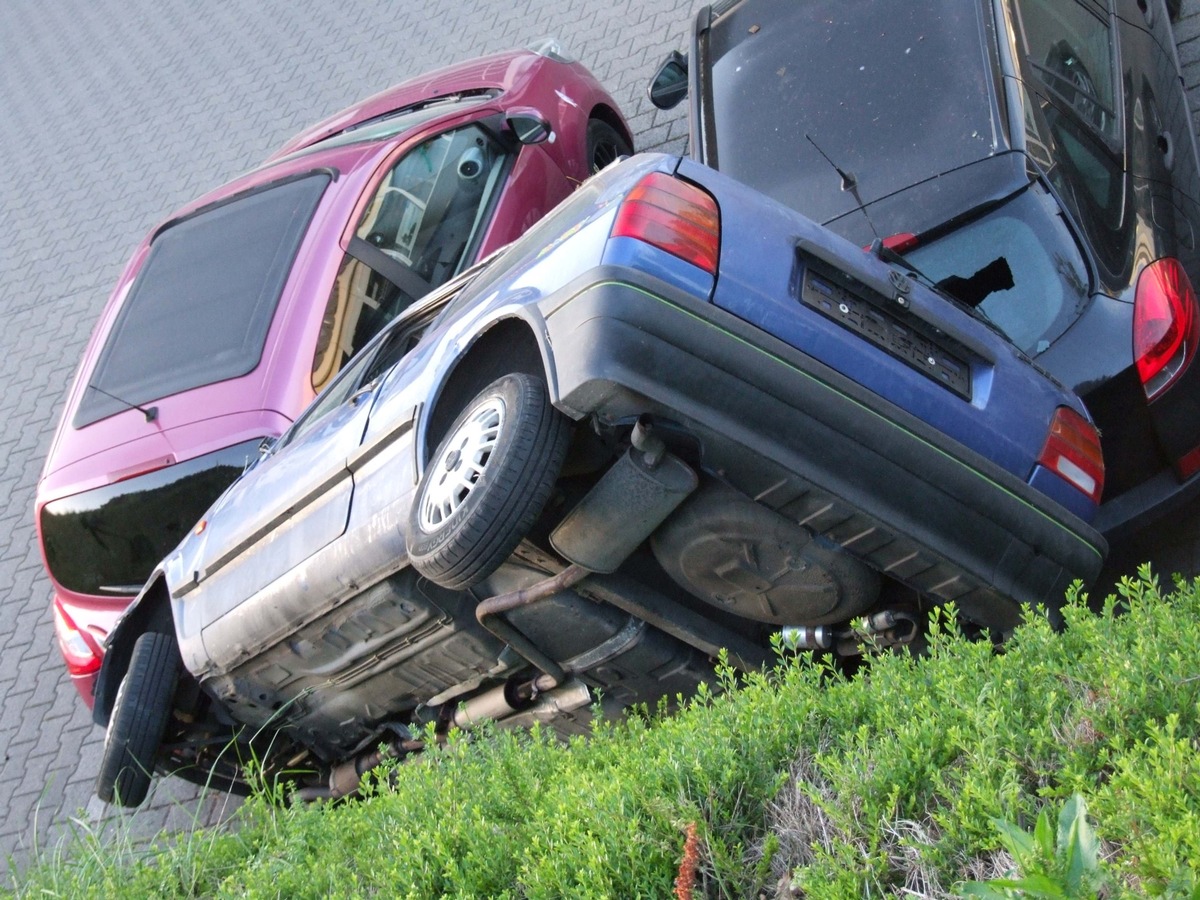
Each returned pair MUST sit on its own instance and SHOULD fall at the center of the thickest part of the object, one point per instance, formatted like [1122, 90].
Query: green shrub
[1051, 865]
[794, 780]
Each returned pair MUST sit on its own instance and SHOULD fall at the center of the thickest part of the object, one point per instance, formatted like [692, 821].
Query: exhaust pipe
[345, 778]
[629, 501]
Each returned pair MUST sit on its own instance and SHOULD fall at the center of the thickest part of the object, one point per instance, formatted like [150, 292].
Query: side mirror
[528, 126]
[670, 84]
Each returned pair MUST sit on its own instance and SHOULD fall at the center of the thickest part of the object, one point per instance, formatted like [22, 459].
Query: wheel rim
[604, 153]
[456, 472]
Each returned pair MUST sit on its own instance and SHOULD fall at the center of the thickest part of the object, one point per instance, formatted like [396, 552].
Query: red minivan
[239, 308]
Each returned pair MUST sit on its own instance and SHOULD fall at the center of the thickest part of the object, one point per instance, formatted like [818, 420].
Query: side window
[421, 227]
[360, 304]
[364, 369]
[334, 396]
[1072, 102]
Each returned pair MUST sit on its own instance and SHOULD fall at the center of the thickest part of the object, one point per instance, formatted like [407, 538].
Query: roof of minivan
[892, 94]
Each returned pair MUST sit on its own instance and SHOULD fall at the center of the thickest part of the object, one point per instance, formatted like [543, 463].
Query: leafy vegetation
[1066, 867]
[929, 777]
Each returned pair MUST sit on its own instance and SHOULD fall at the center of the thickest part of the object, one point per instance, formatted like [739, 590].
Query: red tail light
[674, 216]
[1072, 450]
[1164, 325]
[81, 658]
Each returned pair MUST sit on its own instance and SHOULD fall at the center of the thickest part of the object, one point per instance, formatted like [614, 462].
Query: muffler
[630, 500]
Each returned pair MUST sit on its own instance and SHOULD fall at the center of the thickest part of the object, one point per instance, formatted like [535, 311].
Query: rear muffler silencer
[632, 499]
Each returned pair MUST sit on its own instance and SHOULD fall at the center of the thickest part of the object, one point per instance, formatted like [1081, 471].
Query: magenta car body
[329, 239]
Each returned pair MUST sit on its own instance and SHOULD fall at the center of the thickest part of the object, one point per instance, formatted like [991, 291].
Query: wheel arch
[610, 116]
[509, 345]
[151, 611]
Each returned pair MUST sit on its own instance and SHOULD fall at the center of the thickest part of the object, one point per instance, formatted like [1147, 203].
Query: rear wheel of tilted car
[139, 719]
[604, 145]
[487, 482]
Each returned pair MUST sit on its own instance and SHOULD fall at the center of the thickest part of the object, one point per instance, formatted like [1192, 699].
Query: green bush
[910, 776]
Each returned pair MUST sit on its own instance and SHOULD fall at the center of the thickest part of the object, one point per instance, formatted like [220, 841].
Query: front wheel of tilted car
[487, 482]
[138, 721]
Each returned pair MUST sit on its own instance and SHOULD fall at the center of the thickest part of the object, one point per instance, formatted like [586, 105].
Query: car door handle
[362, 392]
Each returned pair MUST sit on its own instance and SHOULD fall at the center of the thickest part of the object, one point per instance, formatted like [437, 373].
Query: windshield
[393, 123]
[202, 304]
[1018, 264]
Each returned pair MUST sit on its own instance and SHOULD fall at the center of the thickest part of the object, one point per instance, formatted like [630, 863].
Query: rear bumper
[816, 447]
[93, 618]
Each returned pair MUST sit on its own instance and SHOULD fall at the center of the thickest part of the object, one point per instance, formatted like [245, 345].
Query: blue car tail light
[1072, 451]
[674, 216]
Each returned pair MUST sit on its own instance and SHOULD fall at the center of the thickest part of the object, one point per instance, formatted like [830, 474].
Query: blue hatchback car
[674, 417]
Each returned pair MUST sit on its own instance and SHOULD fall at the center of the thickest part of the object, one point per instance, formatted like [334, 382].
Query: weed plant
[916, 777]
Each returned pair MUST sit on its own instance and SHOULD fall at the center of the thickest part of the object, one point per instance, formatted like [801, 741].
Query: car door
[1158, 102]
[292, 503]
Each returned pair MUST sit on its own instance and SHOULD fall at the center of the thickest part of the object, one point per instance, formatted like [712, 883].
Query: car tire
[139, 720]
[487, 482]
[604, 145]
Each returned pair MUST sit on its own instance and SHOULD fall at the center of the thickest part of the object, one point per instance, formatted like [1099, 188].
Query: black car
[1035, 158]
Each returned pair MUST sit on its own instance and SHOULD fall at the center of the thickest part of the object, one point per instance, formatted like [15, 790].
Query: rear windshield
[1018, 264]
[802, 90]
[108, 540]
[201, 307]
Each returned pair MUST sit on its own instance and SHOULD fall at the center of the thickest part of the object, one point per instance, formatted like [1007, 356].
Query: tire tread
[139, 719]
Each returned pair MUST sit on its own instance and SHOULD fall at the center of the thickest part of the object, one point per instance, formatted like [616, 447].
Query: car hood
[800, 91]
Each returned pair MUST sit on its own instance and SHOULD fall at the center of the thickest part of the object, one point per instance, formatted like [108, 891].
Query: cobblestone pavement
[112, 113]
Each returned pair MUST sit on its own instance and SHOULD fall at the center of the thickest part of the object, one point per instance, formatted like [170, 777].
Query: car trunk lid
[874, 323]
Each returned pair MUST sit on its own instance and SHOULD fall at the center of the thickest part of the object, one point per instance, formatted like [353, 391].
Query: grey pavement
[112, 113]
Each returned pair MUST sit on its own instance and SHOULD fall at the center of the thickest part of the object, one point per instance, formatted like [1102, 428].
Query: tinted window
[201, 307]
[420, 228]
[1024, 268]
[109, 540]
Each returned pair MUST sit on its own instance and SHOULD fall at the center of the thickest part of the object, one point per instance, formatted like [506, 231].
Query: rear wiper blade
[890, 256]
